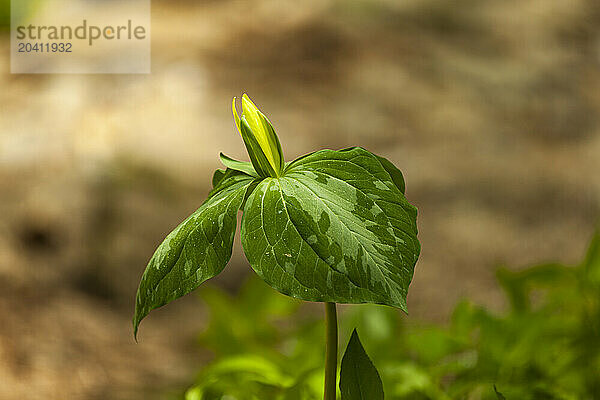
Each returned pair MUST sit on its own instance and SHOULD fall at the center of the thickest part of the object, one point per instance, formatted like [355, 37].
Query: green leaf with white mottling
[359, 379]
[218, 176]
[394, 172]
[198, 249]
[334, 228]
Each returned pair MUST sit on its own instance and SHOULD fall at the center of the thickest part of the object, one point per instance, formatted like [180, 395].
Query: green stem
[331, 351]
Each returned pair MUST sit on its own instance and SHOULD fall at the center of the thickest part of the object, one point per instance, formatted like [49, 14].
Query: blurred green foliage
[21, 8]
[4, 14]
[545, 346]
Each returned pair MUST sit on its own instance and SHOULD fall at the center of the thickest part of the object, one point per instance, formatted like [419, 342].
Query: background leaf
[498, 394]
[546, 347]
[359, 379]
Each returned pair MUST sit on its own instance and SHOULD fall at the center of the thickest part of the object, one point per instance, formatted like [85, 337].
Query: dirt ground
[490, 108]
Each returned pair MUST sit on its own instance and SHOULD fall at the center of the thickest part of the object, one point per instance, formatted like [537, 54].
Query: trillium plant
[332, 226]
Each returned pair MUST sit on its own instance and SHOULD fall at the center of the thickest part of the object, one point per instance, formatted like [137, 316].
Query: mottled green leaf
[198, 249]
[359, 379]
[217, 177]
[334, 228]
[394, 172]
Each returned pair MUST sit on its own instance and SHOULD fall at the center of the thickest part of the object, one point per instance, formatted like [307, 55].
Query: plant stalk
[331, 351]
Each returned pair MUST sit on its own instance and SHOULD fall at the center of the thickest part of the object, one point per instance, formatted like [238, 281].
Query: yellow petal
[235, 116]
[251, 112]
